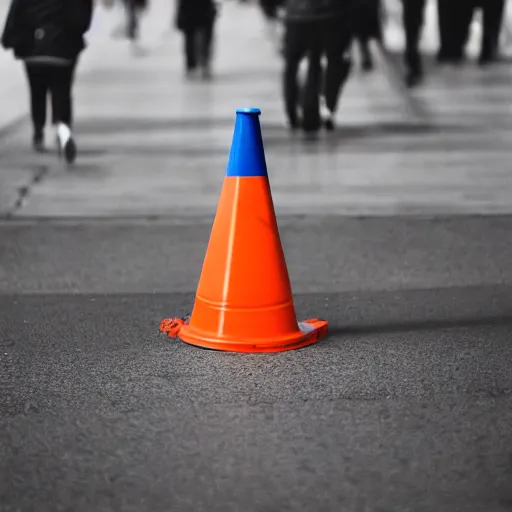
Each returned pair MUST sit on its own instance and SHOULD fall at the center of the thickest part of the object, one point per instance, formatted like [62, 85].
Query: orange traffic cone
[244, 300]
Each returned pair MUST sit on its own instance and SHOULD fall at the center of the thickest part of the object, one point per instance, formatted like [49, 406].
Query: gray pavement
[396, 230]
[405, 406]
[328, 255]
[396, 410]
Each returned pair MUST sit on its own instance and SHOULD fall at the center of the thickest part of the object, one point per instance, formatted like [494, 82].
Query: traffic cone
[244, 300]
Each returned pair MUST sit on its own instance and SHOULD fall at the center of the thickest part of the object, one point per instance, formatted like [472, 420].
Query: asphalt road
[406, 406]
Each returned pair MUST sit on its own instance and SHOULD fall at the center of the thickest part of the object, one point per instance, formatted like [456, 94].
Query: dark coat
[47, 28]
[312, 10]
[194, 13]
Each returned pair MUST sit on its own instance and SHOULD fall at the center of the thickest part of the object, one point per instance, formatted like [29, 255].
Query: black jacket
[47, 28]
[195, 13]
[312, 10]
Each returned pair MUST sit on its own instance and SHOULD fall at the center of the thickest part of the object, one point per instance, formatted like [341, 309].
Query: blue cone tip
[248, 110]
[247, 156]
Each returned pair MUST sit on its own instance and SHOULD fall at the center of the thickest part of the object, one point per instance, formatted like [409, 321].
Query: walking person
[48, 35]
[315, 29]
[196, 20]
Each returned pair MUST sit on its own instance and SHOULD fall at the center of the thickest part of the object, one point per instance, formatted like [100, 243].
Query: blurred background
[153, 138]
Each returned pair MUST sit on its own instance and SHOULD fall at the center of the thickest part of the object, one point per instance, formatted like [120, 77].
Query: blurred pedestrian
[196, 20]
[316, 29]
[48, 35]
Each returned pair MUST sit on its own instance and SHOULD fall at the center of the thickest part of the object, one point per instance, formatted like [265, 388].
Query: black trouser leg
[311, 95]
[296, 39]
[413, 18]
[364, 48]
[458, 15]
[443, 20]
[190, 43]
[205, 44]
[465, 14]
[61, 85]
[132, 18]
[493, 11]
[38, 85]
[337, 38]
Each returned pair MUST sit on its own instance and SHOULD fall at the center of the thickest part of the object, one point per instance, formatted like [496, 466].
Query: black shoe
[488, 57]
[367, 61]
[413, 78]
[70, 151]
[367, 65]
[311, 135]
[312, 127]
[206, 72]
[191, 72]
[326, 115]
[295, 121]
[294, 124]
[329, 125]
[38, 143]
[444, 57]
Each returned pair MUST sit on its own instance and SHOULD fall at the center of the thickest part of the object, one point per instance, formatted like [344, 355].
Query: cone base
[309, 333]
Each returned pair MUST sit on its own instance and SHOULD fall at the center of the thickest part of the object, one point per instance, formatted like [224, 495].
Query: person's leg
[132, 19]
[61, 91]
[62, 106]
[38, 87]
[362, 37]
[462, 15]
[190, 48]
[413, 18]
[493, 11]
[294, 50]
[443, 20]
[366, 55]
[497, 25]
[311, 95]
[205, 46]
[337, 40]
[368, 28]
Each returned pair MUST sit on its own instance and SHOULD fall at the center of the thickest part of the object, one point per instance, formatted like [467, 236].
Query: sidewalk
[152, 144]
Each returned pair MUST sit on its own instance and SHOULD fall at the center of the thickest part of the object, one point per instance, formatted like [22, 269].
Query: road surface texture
[396, 229]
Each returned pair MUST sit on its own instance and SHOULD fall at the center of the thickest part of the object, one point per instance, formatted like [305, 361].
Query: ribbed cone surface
[244, 291]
